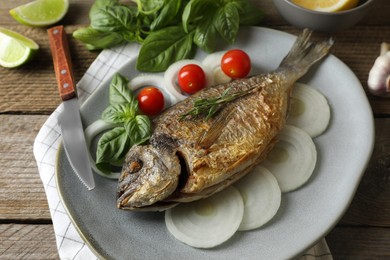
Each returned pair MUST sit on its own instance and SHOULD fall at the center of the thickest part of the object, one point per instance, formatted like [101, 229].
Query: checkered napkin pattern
[69, 243]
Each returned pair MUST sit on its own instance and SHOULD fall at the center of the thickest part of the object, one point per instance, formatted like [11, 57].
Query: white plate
[305, 216]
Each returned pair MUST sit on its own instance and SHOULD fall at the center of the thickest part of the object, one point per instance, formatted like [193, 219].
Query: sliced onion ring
[262, 197]
[208, 222]
[293, 158]
[171, 74]
[155, 81]
[213, 62]
[309, 110]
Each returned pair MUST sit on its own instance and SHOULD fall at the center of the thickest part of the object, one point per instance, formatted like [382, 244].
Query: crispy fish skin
[255, 120]
[193, 158]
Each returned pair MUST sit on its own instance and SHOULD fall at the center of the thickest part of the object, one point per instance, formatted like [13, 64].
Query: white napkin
[69, 243]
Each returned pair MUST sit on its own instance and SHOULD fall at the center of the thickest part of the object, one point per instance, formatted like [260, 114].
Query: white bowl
[322, 21]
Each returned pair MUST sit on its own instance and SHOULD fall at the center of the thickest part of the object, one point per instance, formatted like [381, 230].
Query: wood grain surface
[29, 95]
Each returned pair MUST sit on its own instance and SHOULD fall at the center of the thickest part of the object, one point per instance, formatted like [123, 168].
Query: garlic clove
[385, 47]
[379, 75]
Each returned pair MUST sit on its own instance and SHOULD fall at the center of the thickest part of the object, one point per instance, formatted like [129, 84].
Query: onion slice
[91, 131]
[262, 197]
[213, 62]
[293, 158]
[208, 222]
[309, 110]
[171, 74]
[156, 81]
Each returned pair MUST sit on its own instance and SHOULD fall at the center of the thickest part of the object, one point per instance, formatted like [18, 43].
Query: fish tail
[304, 53]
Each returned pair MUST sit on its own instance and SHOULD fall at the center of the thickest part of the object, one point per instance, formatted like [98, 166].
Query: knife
[69, 119]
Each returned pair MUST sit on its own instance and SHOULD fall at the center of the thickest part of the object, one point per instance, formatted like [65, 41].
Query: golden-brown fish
[193, 158]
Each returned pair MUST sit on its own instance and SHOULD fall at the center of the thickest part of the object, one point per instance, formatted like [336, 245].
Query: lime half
[40, 12]
[15, 49]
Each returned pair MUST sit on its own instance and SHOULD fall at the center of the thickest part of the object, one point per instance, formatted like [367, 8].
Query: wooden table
[29, 95]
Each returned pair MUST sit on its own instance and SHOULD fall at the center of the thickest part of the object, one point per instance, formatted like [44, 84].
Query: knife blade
[69, 119]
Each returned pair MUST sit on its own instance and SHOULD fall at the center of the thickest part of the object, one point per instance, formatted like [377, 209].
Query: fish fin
[304, 53]
[218, 123]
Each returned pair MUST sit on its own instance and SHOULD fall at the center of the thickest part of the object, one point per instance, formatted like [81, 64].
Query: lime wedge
[15, 49]
[40, 12]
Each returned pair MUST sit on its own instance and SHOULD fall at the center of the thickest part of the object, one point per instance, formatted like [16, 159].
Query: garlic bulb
[379, 76]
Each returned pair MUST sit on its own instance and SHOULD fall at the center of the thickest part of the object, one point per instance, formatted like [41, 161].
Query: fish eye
[135, 166]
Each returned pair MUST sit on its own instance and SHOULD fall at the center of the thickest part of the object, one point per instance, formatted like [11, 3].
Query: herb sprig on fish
[189, 160]
[208, 107]
[169, 30]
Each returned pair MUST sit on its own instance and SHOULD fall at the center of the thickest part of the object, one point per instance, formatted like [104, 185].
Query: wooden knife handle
[62, 62]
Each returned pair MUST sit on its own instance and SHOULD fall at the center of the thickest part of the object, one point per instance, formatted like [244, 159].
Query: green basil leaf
[100, 4]
[206, 35]
[164, 47]
[92, 47]
[138, 129]
[251, 17]
[120, 113]
[136, 36]
[105, 167]
[149, 6]
[196, 11]
[114, 18]
[132, 36]
[119, 92]
[113, 146]
[97, 39]
[249, 13]
[167, 15]
[227, 22]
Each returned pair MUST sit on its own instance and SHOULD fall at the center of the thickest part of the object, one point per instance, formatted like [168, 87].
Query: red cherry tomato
[236, 64]
[150, 101]
[191, 78]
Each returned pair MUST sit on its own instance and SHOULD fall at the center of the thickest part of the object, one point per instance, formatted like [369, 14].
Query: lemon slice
[327, 5]
[40, 12]
[15, 49]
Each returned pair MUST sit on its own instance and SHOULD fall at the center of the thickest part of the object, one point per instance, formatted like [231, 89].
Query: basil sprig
[169, 30]
[131, 128]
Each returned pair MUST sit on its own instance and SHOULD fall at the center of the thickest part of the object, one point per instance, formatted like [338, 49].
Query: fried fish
[193, 158]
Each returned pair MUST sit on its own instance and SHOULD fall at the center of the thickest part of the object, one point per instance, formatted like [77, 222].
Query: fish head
[148, 175]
